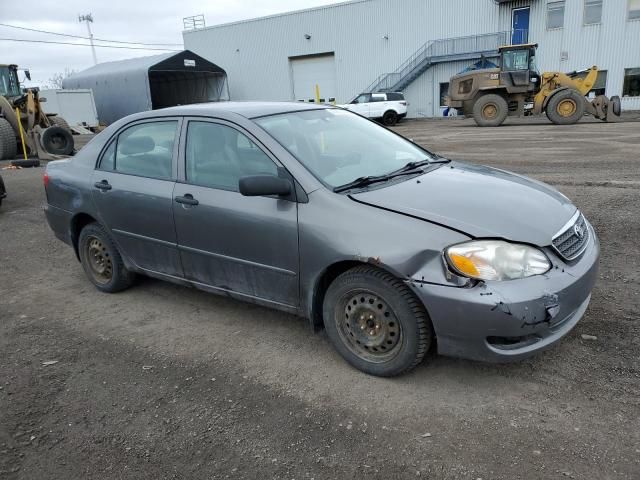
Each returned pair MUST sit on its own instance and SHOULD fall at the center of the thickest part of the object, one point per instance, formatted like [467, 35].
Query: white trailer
[76, 106]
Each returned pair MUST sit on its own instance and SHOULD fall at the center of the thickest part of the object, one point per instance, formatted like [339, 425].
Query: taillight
[45, 179]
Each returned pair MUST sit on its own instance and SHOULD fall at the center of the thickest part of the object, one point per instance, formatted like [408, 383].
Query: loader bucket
[605, 109]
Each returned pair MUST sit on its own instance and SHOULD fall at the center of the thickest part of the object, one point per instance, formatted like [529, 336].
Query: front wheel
[566, 107]
[376, 322]
[102, 261]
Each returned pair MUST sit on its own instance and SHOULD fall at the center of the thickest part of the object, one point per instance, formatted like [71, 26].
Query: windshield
[338, 146]
[9, 86]
[515, 60]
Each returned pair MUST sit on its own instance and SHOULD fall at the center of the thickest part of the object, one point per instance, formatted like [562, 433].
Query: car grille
[570, 243]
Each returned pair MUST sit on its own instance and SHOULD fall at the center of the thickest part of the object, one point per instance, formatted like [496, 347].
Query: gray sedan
[319, 212]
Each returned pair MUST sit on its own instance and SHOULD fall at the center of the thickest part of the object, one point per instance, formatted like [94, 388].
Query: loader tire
[566, 107]
[8, 141]
[57, 141]
[29, 163]
[60, 122]
[615, 105]
[490, 110]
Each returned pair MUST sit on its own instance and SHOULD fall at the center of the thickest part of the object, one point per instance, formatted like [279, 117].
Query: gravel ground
[163, 381]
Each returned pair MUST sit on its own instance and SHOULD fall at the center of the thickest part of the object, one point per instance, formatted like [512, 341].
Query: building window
[592, 11]
[600, 87]
[634, 10]
[444, 91]
[555, 15]
[631, 86]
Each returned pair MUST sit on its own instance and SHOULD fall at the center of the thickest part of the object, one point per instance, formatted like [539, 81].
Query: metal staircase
[439, 51]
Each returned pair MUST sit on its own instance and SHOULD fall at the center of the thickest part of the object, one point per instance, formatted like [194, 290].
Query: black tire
[8, 141]
[490, 110]
[57, 141]
[60, 122]
[101, 260]
[390, 118]
[615, 105]
[26, 163]
[565, 107]
[398, 330]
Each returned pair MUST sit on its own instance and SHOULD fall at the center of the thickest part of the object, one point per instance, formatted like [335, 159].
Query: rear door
[133, 192]
[378, 105]
[242, 245]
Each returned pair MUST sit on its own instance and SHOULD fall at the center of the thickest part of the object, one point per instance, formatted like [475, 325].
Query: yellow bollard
[24, 148]
[317, 93]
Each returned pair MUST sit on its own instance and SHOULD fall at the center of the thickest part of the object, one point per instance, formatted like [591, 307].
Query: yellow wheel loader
[25, 130]
[516, 89]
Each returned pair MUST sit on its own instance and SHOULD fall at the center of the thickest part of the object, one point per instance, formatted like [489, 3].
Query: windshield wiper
[368, 180]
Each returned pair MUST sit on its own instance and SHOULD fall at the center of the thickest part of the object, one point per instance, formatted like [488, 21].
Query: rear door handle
[187, 199]
[103, 185]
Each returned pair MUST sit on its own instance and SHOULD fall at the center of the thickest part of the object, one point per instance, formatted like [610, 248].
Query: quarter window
[555, 14]
[218, 156]
[634, 10]
[592, 11]
[631, 87]
[145, 149]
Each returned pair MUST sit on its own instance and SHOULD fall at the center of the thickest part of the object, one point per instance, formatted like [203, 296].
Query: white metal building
[416, 45]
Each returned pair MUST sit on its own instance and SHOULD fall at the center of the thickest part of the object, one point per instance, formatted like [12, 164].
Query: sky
[149, 21]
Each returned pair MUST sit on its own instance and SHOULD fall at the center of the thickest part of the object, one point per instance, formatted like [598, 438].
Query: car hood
[479, 201]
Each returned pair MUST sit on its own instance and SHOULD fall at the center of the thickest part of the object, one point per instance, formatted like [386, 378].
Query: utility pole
[89, 19]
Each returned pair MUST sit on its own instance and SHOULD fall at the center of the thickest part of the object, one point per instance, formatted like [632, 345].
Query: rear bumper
[60, 222]
[512, 320]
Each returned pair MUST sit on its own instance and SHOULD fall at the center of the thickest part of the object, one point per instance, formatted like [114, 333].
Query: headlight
[496, 260]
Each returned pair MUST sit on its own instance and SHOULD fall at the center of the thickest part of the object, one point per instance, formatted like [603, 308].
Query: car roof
[245, 109]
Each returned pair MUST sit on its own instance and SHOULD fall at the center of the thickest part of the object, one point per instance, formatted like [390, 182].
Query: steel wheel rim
[368, 326]
[567, 107]
[489, 111]
[99, 260]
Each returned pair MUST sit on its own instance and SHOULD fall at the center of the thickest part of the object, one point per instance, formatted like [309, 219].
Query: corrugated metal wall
[255, 53]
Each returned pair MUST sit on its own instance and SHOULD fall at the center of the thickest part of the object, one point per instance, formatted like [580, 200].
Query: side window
[364, 98]
[145, 149]
[378, 98]
[218, 156]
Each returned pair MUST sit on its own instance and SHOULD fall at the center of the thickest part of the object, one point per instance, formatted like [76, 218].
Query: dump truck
[517, 89]
[25, 129]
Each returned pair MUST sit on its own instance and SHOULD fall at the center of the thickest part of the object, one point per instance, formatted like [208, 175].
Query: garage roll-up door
[309, 71]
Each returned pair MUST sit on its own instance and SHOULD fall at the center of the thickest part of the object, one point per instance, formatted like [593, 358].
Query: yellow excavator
[516, 88]
[25, 129]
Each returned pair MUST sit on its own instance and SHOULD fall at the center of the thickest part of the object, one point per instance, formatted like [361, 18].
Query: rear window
[394, 96]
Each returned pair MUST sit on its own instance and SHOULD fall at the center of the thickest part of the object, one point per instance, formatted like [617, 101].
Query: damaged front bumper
[511, 320]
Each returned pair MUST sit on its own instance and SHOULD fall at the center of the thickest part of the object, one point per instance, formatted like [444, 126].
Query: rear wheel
[565, 107]
[615, 105]
[390, 118]
[376, 322]
[490, 110]
[102, 261]
[8, 141]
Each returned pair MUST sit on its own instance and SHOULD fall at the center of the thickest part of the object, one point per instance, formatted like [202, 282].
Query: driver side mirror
[264, 185]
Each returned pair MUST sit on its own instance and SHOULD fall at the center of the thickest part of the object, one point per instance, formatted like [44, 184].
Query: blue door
[520, 26]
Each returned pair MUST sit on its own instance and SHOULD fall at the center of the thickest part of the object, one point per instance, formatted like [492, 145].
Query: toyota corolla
[319, 212]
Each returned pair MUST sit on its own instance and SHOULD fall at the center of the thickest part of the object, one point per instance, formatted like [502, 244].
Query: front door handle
[187, 199]
[103, 185]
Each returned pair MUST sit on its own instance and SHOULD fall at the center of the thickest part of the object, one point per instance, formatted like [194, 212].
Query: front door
[133, 192]
[361, 105]
[242, 245]
[520, 26]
